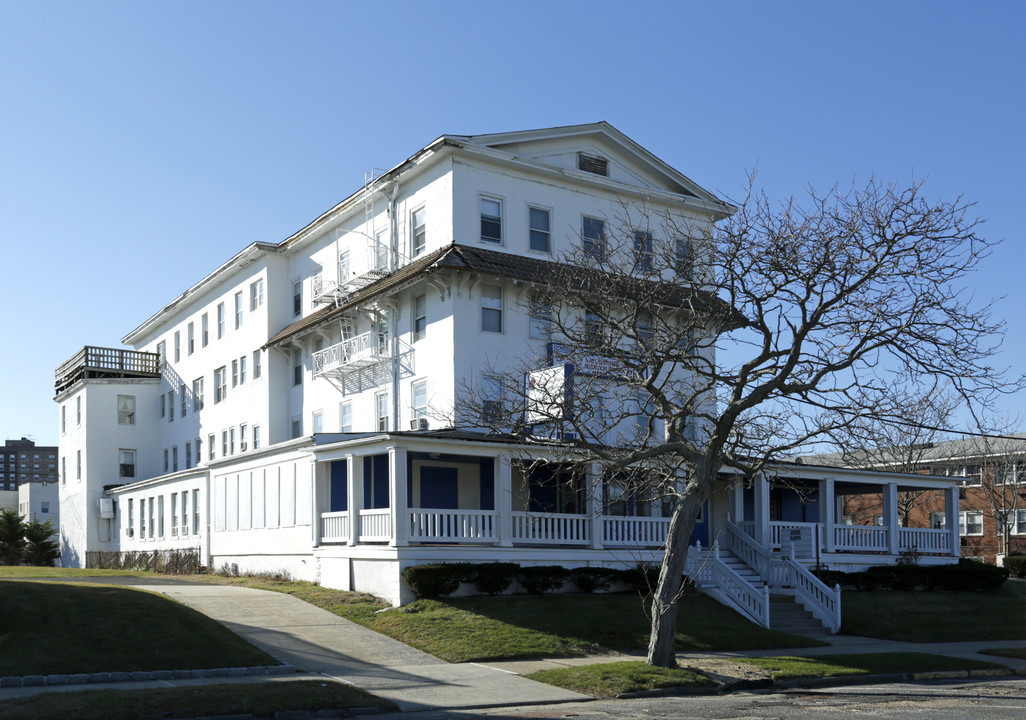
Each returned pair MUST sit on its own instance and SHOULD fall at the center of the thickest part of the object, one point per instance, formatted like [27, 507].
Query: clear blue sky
[142, 144]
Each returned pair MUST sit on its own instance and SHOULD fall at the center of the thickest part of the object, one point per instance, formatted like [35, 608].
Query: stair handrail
[736, 592]
[748, 550]
[818, 598]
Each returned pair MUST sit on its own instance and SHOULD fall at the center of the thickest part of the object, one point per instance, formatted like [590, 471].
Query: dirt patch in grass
[787, 667]
[610, 679]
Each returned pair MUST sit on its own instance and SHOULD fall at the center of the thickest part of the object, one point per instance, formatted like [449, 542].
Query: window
[199, 451]
[491, 220]
[171, 406]
[126, 409]
[174, 513]
[242, 370]
[163, 405]
[418, 239]
[184, 396]
[419, 393]
[243, 437]
[197, 394]
[142, 518]
[162, 351]
[593, 237]
[684, 257]
[595, 164]
[970, 523]
[592, 329]
[188, 455]
[381, 250]
[174, 458]
[178, 345]
[297, 427]
[211, 442]
[297, 297]
[220, 384]
[78, 411]
[491, 308]
[1017, 522]
[235, 373]
[190, 338]
[220, 320]
[160, 515]
[64, 420]
[224, 443]
[419, 317]
[540, 321]
[318, 421]
[256, 364]
[238, 310]
[152, 522]
[256, 437]
[538, 234]
[64, 471]
[185, 512]
[381, 411]
[167, 462]
[131, 518]
[643, 251]
[126, 463]
[345, 417]
[256, 294]
[297, 367]
[204, 330]
[195, 512]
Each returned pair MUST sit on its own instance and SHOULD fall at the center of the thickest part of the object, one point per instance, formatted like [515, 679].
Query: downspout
[393, 241]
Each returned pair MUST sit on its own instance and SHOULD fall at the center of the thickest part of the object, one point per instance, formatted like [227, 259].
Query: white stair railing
[714, 577]
[748, 550]
[816, 596]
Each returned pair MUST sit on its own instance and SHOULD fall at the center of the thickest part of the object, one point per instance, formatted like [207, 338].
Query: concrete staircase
[786, 615]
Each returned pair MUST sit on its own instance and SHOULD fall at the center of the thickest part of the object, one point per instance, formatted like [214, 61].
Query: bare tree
[699, 349]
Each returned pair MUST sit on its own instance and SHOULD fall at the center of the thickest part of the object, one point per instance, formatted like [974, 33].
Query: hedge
[1016, 565]
[967, 575]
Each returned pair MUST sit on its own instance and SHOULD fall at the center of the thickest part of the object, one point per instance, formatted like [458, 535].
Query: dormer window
[594, 164]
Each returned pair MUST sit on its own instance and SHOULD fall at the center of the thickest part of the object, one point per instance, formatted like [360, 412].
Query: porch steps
[742, 568]
[786, 615]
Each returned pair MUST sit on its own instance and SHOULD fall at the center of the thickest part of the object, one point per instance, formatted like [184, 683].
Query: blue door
[439, 488]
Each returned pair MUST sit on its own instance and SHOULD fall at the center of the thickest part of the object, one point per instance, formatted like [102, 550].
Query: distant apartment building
[22, 461]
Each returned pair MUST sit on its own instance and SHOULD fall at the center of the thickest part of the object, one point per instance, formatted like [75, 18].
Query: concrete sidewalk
[316, 641]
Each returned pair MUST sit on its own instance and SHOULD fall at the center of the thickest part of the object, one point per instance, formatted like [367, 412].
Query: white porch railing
[861, 538]
[646, 531]
[779, 531]
[361, 351]
[924, 540]
[551, 529]
[719, 580]
[818, 598]
[375, 525]
[744, 546]
[428, 525]
[335, 527]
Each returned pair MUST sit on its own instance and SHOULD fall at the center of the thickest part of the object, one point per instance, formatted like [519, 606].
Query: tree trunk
[662, 640]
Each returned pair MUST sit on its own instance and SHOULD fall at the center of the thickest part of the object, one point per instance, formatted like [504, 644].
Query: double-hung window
[297, 367]
[211, 442]
[242, 370]
[345, 417]
[238, 310]
[188, 455]
[491, 220]
[540, 322]
[297, 298]
[419, 404]
[220, 384]
[970, 523]
[204, 330]
[643, 255]
[178, 345]
[256, 364]
[593, 238]
[220, 320]
[418, 238]
[197, 394]
[190, 338]
[171, 406]
[419, 317]
[539, 232]
[381, 411]
[256, 294]
[174, 458]
[491, 308]
[126, 463]
[684, 257]
[256, 437]
[126, 409]
[235, 373]
[184, 397]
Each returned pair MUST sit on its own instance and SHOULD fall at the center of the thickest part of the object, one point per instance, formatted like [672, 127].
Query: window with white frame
[220, 384]
[171, 406]
[970, 522]
[539, 233]
[419, 395]
[197, 394]
[381, 411]
[211, 443]
[235, 373]
[419, 317]
[684, 256]
[160, 516]
[242, 370]
[317, 419]
[174, 513]
[491, 220]
[64, 471]
[174, 458]
[126, 409]
[64, 419]
[345, 417]
[243, 437]
[190, 338]
[418, 235]
[167, 461]
[184, 397]
[195, 512]
[593, 237]
[938, 520]
[297, 298]
[297, 427]
[162, 351]
[231, 440]
[491, 308]
[238, 310]
[381, 250]
[199, 450]
[297, 367]
[126, 463]
[256, 437]
[540, 320]
[204, 330]
[257, 358]
[152, 509]
[643, 252]
[185, 512]
[188, 455]
[130, 525]
[256, 294]
[178, 345]
[78, 411]
[345, 270]
[220, 320]
[1017, 521]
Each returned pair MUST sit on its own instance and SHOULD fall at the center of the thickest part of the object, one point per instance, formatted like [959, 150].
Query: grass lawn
[1019, 653]
[609, 679]
[48, 627]
[783, 668]
[937, 616]
[528, 626]
[27, 571]
[259, 699]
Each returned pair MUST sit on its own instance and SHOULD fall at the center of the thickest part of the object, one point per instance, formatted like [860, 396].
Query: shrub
[593, 579]
[1016, 565]
[493, 578]
[967, 575]
[540, 579]
[431, 581]
[642, 578]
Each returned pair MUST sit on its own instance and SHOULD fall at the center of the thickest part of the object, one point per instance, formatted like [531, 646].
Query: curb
[141, 676]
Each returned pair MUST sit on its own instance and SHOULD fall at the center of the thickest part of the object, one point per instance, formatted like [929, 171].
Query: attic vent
[593, 164]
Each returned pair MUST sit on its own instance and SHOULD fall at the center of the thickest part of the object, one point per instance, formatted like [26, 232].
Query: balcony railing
[106, 363]
[551, 529]
[335, 527]
[428, 525]
[357, 353]
[635, 531]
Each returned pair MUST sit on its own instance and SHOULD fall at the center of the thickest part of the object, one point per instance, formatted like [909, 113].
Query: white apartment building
[295, 409]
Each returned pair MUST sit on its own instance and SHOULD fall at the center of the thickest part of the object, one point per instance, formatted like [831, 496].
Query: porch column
[354, 495]
[763, 533]
[317, 500]
[397, 500]
[890, 507]
[826, 512]
[736, 501]
[951, 519]
[504, 500]
[595, 510]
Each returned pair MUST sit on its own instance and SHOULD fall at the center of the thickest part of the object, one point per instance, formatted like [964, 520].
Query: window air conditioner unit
[419, 424]
[130, 532]
[106, 508]
[174, 531]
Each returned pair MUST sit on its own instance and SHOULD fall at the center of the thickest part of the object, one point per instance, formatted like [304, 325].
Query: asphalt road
[1000, 699]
